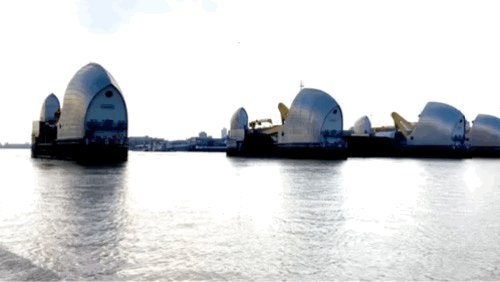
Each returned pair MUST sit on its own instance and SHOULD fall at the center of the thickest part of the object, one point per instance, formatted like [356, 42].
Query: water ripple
[174, 216]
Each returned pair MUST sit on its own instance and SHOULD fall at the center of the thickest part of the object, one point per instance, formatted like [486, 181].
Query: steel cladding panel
[107, 115]
[239, 123]
[82, 88]
[439, 125]
[239, 120]
[307, 115]
[485, 131]
[49, 108]
[363, 126]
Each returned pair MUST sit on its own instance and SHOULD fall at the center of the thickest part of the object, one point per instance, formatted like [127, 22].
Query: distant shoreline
[15, 146]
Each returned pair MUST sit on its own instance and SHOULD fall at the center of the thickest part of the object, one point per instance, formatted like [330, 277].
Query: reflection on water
[205, 216]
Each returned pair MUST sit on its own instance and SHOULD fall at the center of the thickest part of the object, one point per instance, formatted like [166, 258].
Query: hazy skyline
[186, 66]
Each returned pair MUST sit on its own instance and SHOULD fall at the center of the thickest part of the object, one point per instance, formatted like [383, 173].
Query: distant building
[223, 133]
[202, 143]
[146, 143]
[203, 134]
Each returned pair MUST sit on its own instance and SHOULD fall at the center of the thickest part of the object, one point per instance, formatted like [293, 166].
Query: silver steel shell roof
[363, 126]
[307, 118]
[239, 125]
[439, 125]
[49, 107]
[485, 131]
[239, 120]
[82, 88]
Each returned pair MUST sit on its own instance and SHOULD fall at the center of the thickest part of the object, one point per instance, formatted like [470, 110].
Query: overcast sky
[186, 66]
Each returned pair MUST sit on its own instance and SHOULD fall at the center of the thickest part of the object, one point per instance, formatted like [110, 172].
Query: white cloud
[107, 16]
[209, 6]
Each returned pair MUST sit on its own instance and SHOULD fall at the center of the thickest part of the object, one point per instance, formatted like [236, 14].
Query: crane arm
[402, 124]
[283, 111]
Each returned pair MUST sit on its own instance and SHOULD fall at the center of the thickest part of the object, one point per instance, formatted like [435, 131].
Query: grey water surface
[176, 216]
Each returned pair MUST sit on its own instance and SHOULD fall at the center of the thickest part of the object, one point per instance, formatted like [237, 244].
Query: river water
[176, 216]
